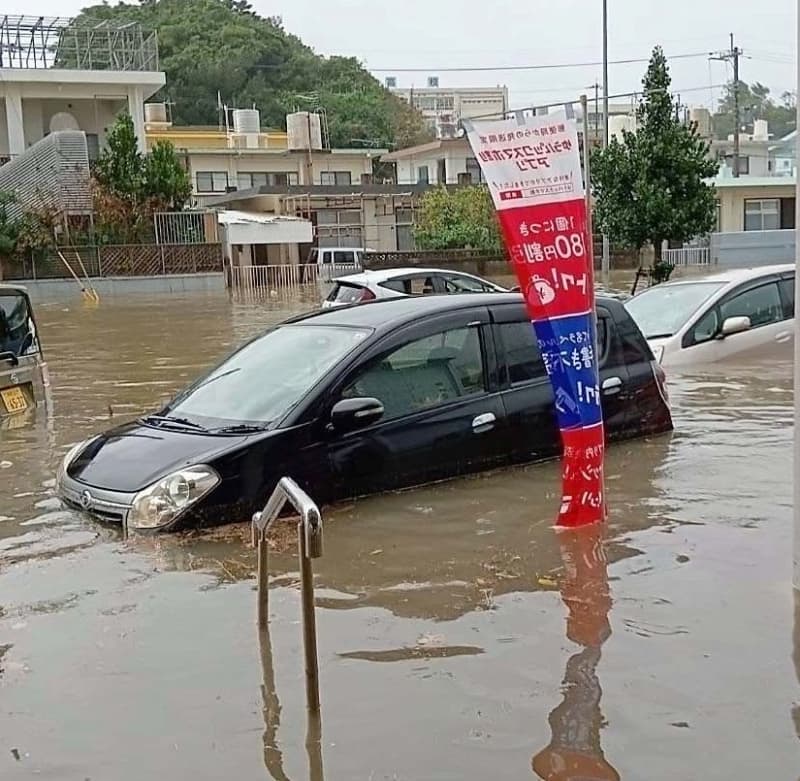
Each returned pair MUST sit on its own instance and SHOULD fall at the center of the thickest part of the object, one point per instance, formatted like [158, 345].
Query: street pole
[606, 263]
[736, 117]
[797, 349]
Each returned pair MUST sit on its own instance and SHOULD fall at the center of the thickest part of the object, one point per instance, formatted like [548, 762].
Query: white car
[741, 312]
[399, 282]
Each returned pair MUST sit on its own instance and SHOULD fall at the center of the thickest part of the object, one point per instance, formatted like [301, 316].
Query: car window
[421, 286]
[706, 328]
[400, 285]
[17, 332]
[523, 359]
[424, 373]
[344, 258]
[455, 283]
[761, 304]
[787, 290]
[346, 293]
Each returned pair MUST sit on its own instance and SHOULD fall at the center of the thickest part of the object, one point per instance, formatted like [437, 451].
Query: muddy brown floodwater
[459, 636]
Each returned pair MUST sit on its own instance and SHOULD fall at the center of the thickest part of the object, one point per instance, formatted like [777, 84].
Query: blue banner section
[567, 345]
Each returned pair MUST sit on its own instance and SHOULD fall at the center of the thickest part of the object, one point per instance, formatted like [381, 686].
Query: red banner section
[532, 167]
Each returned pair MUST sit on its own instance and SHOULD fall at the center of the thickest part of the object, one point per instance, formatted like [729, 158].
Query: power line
[487, 68]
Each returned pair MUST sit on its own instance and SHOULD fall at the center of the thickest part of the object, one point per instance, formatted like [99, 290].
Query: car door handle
[783, 336]
[483, 422]
[612, 385]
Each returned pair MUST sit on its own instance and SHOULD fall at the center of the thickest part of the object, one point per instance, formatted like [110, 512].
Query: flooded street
[459, 636]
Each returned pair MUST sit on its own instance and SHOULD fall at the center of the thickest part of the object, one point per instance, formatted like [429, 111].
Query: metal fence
[288, 277]
[125, 260]
[688, 256]
[193, 226]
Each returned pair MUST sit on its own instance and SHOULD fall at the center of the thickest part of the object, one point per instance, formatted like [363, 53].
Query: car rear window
[346, 293]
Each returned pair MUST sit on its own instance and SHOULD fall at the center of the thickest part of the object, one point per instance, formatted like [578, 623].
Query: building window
[212, 181]
[744, 165]
[335, 177]
[474, 171]
[404, 229]
[762, 214]
[339, 228]
[423, 176]
[247, 180]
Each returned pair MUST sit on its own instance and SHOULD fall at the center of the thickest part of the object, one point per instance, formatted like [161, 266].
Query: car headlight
[165, 501]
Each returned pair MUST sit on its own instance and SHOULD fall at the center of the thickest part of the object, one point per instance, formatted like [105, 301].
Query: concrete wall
[60, 289]
[752, 248]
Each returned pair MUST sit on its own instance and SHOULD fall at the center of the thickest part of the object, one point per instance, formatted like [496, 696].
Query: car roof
[382, 275]
[736, 274]
[15, 288]
[385, 314]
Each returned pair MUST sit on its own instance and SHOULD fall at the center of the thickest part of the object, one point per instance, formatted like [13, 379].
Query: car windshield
[261, 382]
[17, 332]
[663, 310]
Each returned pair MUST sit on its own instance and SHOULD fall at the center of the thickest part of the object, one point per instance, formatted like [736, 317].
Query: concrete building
[446, 161]
[750, 203]
[754, 154]
[60, 75]
[245, 157]
[444, 107]
[782, 156]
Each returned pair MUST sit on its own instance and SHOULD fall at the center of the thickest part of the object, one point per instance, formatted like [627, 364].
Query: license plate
[14, 399]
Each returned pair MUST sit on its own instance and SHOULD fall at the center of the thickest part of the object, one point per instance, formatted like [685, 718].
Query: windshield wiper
[241, 428]
[176, 421]
[658, 336]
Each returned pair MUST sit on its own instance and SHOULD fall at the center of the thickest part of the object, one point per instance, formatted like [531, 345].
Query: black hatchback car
[353, 401]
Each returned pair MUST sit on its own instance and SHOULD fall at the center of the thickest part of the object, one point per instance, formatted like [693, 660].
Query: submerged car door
[442, 413]
[527, 392]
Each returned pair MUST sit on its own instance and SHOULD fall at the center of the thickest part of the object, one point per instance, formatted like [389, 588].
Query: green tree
[120, 168]
[755, 102]
[211, 48]
[130, 186]
[9, 230]
[652, 187]
[164, 178]
[463, 218]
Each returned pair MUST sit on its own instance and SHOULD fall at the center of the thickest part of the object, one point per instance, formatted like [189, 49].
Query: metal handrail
[309, 544]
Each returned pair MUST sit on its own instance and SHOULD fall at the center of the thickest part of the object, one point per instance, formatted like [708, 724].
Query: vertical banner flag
[532, 167]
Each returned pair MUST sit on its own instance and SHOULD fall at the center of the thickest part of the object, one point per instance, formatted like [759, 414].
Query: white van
[334, 262]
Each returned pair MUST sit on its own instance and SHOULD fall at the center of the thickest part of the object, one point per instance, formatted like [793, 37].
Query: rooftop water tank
[246, 120]
[155, 113]
[702, 118]
[304, 131]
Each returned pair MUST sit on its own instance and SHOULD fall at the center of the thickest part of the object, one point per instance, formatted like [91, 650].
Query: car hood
[134, 456]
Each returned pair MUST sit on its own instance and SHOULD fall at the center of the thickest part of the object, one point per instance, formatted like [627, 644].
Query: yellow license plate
[14, 399]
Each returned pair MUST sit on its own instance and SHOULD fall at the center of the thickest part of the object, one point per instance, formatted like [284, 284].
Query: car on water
[356, 400]
[739, 313]
[399, 282]
[23, 371]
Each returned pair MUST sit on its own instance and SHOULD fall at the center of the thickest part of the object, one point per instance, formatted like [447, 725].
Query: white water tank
[304, 130]
[761, 130]
[246, 120]
[155, 113]
[702, 118]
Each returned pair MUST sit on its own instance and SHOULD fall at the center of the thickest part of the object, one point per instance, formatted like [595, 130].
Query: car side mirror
[734, 325]
[352, 414]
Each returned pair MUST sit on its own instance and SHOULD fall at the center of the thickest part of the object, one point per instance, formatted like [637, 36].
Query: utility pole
[732, 55]
[606, 263]
[796, 469]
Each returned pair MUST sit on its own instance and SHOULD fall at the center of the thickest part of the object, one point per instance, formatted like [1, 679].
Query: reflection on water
[440, 609]
[574, 752]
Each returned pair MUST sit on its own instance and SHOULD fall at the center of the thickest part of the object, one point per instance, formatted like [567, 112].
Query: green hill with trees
[222, 47]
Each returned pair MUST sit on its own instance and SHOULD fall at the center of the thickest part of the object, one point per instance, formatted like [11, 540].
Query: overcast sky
[437, 34]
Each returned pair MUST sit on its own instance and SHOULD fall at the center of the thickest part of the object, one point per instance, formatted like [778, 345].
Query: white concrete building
[444, 107]
[446, 161]
[58, 75]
